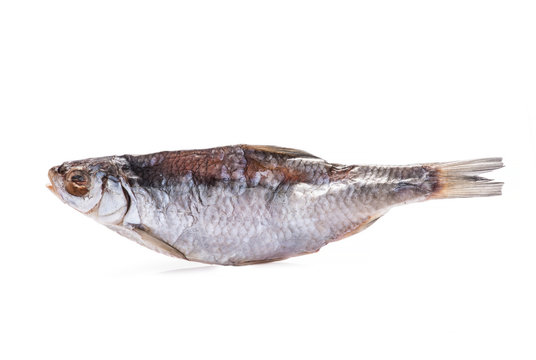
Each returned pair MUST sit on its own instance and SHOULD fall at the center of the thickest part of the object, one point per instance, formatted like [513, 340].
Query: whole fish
[243, 204]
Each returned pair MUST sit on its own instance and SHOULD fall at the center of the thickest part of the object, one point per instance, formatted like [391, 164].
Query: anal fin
[362, 226]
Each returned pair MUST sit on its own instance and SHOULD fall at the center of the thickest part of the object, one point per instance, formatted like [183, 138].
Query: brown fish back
[265, 166]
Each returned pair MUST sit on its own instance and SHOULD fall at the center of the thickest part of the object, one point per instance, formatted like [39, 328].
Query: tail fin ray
[461, 179]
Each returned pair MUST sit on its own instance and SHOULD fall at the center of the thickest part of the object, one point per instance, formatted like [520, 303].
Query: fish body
[242, 204]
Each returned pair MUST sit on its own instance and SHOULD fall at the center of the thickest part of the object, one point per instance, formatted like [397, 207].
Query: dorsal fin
[291, 153]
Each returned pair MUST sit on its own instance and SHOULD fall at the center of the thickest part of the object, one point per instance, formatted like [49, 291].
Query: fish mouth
[51, 187]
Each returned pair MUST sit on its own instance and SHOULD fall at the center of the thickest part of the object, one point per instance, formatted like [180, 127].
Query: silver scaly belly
[232, 224]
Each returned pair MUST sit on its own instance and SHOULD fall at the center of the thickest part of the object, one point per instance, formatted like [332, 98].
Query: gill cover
[117, 204]
[114, 202]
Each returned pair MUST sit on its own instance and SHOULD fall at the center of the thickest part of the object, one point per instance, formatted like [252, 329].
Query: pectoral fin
[145, 238]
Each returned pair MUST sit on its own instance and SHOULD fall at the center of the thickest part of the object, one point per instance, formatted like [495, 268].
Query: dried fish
[242, 204]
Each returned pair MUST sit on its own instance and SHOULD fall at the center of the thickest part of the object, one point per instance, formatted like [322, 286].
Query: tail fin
[460, 179]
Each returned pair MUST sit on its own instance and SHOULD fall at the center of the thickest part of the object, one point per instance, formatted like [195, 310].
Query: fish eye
[77, 182]
[79, 179]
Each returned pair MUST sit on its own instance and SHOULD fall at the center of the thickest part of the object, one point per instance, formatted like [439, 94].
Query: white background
[353, 82]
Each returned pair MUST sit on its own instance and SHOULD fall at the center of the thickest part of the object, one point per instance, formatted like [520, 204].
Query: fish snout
[52, 173]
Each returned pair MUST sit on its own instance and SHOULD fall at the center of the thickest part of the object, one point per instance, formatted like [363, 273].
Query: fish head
[94, 187]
